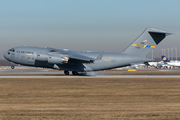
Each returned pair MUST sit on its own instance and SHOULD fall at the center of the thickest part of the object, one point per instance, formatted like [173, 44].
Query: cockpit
[52, 50]
[11, 50]
[9, 54]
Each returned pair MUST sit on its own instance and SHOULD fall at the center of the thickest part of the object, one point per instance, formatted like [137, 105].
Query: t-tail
[165, 59]
[146, 42]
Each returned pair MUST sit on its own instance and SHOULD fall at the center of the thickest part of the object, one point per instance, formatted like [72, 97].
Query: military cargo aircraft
[75, 61]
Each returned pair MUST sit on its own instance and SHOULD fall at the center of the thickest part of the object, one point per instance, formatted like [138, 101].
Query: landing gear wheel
[74, 72]
[66, 72]
[12, 67]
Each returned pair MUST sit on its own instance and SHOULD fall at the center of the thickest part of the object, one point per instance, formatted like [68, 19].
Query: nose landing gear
[12, 67]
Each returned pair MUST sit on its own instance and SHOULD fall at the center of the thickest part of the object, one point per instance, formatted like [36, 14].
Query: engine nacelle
[42, 57]
[54, 59]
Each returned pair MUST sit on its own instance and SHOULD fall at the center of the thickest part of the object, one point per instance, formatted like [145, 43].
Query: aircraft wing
[71, 55]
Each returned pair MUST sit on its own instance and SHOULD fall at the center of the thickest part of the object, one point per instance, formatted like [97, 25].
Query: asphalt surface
[31, 72]
[98, 76]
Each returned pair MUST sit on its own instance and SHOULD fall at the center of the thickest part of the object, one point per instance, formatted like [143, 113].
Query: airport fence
[5, 63]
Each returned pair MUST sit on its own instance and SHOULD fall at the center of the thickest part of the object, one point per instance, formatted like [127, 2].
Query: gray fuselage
[28, 56]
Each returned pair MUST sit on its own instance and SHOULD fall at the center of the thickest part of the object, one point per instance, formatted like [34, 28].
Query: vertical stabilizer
[165, 59]
[146, 42]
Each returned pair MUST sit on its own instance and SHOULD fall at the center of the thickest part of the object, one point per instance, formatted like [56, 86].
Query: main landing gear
[66, 72]
[73, 72]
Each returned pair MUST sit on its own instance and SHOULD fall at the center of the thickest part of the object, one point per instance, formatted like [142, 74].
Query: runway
[97, 76]
[30, 72]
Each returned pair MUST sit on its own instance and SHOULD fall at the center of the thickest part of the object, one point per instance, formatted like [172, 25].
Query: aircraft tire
[12, 67]
[66, 72]
[74, 72]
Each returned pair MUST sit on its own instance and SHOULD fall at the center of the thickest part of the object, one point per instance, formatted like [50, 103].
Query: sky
[97, 25]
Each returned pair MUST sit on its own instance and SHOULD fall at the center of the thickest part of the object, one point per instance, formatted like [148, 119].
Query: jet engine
[57, 59]
[52, 59]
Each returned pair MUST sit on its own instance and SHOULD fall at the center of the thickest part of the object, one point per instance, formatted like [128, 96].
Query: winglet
[99, 57]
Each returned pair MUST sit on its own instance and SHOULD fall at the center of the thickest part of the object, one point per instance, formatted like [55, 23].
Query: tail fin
[146, 42]
[165, 59]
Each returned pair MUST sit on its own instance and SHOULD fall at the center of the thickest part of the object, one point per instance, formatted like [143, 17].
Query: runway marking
[132, 70]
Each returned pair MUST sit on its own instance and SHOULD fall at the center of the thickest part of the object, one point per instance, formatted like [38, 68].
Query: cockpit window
[52, 51]
[12, 50]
